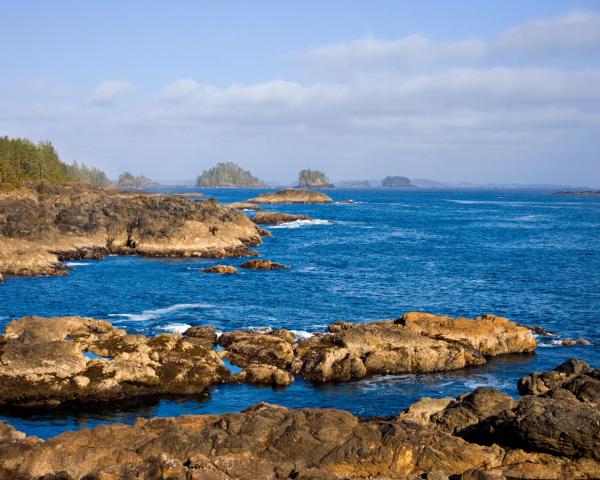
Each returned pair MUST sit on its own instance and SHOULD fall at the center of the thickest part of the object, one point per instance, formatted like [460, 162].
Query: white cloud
[107, 92]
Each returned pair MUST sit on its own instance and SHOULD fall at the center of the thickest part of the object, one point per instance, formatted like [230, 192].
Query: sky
[504, 92]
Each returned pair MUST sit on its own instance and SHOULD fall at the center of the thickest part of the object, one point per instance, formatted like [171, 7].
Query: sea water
[527, 255]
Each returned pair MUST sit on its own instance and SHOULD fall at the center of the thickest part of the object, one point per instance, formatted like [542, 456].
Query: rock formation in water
[481, 435]
[308, 178]
[244, 206]
[262, 265]
[275, 218]
[292, 195]
[42, 225]
[52, 361]
[228, 174]
[223, 269]
[396, 182]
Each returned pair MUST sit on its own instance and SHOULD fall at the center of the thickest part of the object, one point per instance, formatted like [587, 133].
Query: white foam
[303, 223]
[260, 329]
[302, 334]
[176, 327]
[159, 312]
[76, 264]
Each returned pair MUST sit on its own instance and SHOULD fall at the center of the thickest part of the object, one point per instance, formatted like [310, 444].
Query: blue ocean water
[531, 256]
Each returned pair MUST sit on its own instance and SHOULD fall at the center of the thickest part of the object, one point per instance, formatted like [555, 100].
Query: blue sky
[476, 91]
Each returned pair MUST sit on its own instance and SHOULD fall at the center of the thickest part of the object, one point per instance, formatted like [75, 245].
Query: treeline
[22, 160]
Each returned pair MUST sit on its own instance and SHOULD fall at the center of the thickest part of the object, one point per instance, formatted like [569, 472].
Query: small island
[292, 195]
[308, 178]
[397, 182]
[583, 193]
[128, 180]
[228, 174]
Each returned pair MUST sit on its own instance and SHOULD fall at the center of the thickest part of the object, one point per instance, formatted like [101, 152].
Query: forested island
[397, 182]
[308, 178]
[228, 174]
[127, 179]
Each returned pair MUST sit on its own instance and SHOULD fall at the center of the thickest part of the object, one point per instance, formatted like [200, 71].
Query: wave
[303, 223]
[159, 312]
[302, 334]
[176, 327]
[76, 264]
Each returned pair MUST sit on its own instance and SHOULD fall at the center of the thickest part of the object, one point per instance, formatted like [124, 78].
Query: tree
[228, 174]
[313, 178]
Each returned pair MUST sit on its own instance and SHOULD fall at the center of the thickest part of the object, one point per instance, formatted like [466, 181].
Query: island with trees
[397, 182]
[308, 178]
[128, 180]
[228, 174]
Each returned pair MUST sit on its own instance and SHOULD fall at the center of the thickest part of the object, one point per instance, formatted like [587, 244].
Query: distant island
[228, 174]
[396, 182]
[584, 193]
[126, 179]
[355, 184]
[308, 178]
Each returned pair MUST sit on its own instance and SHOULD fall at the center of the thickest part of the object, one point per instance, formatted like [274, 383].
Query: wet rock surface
[274, 218]
[292, 195]
[44, 224]
[263, 265]
[222, 269]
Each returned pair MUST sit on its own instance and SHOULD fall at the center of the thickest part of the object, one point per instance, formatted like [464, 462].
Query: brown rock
[265, 233]
[258, 373]
[222, 269]
[208, 335]
[274, 218]
[244, 206]
[1, 278]
[189, 195]
[262, 265]
[575, 341]
[43, 225]
[292, 195]
[247, 347]
[44, 362]
[540, 383]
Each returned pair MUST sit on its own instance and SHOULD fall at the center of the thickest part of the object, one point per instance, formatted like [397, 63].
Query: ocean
[527, 255]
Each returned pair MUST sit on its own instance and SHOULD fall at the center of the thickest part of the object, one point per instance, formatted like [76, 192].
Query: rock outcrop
[481, 435]
[274, 218]
[292, 195]
[247, 347]
[52, 361]
[263, 265]
[416, 342]
[42, 225]
[222, 269]
[244, 206]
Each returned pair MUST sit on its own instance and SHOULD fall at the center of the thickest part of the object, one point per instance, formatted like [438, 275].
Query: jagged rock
[540, 383]
[222, 269]
[421, 411]
[471, 408]
[417, 342]
[208, 335]
[265, 441]
[246, 347]
[292, 195]
[189, 195]
[47, 362]
[274, 218]
[41, 226]
[489, 334]
[265, 233]
[558, 424]
[258, 373]
[262, 265]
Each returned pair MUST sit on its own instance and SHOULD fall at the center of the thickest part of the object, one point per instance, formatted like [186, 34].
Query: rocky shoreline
[49, 362]
[43, 225]
[484, 434]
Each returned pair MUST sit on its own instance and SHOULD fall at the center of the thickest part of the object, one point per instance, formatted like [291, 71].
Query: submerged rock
[42, 225]
[223, 269]
[56, 360]
[292, 195]
[263, 265]
[274, 218]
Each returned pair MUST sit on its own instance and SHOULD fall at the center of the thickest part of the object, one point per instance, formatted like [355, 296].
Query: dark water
[530, 256]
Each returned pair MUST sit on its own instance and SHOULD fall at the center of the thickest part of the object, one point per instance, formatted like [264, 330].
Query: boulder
[247, 347]
[222, 269]
[541, 382]
[261, 374]
[292, 195]
[208, 335]
[263, 265]
[274, 218]
[569, 342]
[244, 206]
